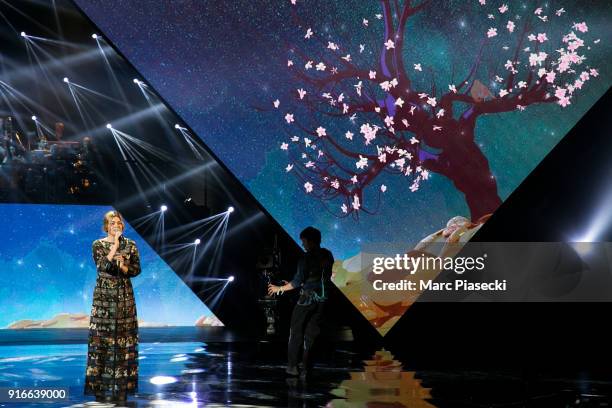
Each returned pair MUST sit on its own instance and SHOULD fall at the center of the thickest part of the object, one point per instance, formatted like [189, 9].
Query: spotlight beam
[194, 226]
[31, 49]
[101, 95]
[120, 122]
[195, 146]
[77, 103]
[129, 166]
[58, 43]
[601, 220]
[54, 66]
[22, 98]
[110, 72]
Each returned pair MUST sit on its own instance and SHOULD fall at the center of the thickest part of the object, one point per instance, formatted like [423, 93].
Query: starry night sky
[215, 62]
[47, 268]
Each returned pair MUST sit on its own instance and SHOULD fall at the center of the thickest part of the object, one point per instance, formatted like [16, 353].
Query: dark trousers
[305, 327]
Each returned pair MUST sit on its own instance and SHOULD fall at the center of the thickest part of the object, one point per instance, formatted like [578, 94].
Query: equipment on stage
[268, 269]
[48, 170]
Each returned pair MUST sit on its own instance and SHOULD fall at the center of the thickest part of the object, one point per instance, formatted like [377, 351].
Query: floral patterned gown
[112, 365]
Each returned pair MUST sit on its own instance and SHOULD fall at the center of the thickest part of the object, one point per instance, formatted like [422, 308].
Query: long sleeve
[133, 263]
[102, 263]
[298, 278]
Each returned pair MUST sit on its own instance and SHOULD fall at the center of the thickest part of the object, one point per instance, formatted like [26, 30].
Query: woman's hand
[116, 238]
[120, 259]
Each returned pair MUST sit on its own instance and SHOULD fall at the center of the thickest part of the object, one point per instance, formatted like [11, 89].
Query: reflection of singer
[112, 365]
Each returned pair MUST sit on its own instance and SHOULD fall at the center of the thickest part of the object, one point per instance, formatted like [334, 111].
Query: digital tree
[352, 119]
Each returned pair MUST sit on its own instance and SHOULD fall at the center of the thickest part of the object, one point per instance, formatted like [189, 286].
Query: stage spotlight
[162, 379]
[230, 279]
[177, 126]
[66, 80]
[23, 34]
[230, 210]
[164, 208]
[94, 36]
[197, 241]
[136, 81]
[34, 118]
[109, 126]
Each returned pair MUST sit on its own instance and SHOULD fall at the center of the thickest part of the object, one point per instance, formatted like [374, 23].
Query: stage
[222, 369]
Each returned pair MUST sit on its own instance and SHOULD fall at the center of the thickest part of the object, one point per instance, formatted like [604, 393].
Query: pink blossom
[560, 93]
[356, 204]
[492, 32]
[564, 101]
[582, 27]
[369, 132]
[362, 163]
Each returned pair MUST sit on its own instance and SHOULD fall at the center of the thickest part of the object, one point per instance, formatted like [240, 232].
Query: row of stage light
[214, 287]
[193, 144]
[217, 226]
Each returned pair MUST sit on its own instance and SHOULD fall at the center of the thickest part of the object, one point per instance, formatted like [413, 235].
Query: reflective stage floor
[250, 374]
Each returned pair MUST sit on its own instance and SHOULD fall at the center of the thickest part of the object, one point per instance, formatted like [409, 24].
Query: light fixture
[66, 80]
[164, 208]
[230, 210]
[23, 34]
[94, 36]
[109, 126]
[230, 279]
[34, 118]
[162, 379]
[197, 241]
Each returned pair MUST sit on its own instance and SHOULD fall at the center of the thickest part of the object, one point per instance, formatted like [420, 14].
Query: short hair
[311, 234]
[107, 218]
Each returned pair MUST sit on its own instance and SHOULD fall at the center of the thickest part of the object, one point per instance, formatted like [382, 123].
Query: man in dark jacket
[313, 278]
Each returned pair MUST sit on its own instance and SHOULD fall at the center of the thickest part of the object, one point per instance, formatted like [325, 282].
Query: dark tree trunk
[466, 166]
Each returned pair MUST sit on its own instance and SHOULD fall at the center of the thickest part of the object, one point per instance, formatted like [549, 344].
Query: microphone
[122, 242]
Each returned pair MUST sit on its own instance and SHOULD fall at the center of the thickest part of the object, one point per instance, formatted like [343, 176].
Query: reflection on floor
[246, 374]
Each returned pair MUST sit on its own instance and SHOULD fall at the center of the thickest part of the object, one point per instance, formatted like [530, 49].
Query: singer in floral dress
[112, 364]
